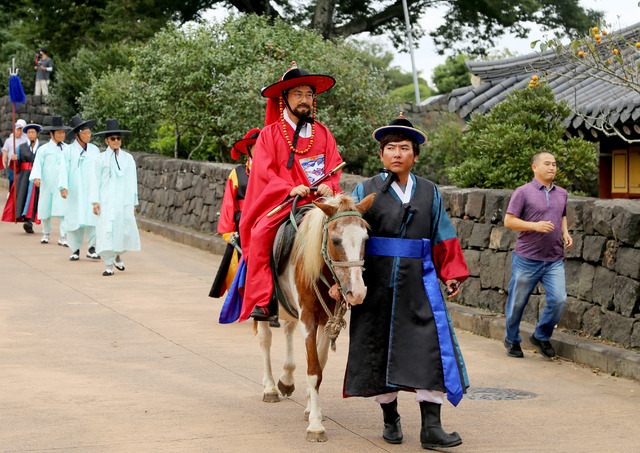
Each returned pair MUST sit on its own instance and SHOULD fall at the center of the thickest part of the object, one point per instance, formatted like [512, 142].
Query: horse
[329, 245]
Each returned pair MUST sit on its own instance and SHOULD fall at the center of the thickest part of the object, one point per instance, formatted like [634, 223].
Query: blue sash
[421, 248]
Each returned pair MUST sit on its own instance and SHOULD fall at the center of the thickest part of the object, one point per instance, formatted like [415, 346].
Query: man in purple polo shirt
[538, 210]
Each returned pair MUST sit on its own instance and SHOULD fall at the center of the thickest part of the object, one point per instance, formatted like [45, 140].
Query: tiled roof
[591, 96]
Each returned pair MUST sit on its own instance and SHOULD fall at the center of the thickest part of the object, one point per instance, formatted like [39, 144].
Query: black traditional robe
[393, 338]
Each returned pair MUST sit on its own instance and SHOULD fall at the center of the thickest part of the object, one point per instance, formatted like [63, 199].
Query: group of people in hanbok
[94, 194]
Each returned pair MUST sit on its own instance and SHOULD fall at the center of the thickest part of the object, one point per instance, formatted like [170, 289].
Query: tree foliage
[470, 26]
[197, 88]
[407, 93]
[442, 150]
[62, 26]
[498, 146]
[74, 76]
[451, 74]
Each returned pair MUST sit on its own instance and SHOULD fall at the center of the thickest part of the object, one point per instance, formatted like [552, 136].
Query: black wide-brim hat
[400, 125]
[56, 125]
[296, 77]
[32, 126]
[241, 146]
[78, 124]
[112, 129]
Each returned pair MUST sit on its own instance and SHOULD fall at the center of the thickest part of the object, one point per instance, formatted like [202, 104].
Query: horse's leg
[315, 430]
[286, 384]
[269, 390]
[323, 354]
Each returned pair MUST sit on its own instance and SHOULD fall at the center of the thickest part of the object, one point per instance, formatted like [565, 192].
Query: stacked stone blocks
[602, 268]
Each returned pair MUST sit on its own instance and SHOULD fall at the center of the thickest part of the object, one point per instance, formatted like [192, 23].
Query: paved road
[137, 362]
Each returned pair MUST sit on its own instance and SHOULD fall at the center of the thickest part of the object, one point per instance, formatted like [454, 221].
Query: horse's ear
[328, 210]
[366, 203]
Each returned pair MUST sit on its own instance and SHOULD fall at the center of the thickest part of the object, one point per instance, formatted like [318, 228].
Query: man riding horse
[292, 152]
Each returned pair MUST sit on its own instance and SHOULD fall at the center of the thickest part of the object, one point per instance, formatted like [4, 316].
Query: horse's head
[345, 241]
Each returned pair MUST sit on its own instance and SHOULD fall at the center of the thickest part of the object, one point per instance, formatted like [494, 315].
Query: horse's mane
[308, 244]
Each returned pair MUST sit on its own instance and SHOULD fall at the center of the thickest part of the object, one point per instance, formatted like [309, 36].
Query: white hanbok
[46, 168]
[77, 171]
[116, 189]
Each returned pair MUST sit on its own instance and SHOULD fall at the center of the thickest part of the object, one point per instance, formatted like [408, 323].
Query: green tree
[498, 146]
[407, 93]
[197, 89]
[74, 76]
[64, 25]
[442, 150]
[470, 26]
[13, 48]
[451, 74]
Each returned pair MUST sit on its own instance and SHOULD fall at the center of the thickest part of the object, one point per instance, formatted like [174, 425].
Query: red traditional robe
[270, 184]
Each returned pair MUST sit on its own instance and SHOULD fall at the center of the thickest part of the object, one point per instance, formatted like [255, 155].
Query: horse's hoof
[316, 437]
[286, 390]
[270, 398]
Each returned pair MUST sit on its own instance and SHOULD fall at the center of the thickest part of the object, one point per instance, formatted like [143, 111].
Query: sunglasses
[114, 138]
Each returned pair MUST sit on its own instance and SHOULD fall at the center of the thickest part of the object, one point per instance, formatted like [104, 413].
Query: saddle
[282, 246]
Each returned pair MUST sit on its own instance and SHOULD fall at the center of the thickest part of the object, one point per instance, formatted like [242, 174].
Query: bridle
[331, 263]
[336, 320]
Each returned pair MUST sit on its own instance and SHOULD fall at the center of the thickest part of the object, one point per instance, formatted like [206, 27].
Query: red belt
[26, 166]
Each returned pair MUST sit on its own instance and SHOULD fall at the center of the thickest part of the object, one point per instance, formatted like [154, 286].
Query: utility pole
[413, 62]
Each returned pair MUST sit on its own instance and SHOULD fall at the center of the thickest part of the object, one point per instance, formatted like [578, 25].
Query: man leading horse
[401, 337]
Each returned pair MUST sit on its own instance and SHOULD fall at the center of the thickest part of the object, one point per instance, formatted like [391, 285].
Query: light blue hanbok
[76, 174]
[46, 168]
[116, 189]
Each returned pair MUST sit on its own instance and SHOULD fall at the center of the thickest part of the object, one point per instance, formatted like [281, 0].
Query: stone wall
[35, 111]
[602, 268]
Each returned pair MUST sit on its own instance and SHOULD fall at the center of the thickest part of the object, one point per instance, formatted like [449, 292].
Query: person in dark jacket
[401, 337]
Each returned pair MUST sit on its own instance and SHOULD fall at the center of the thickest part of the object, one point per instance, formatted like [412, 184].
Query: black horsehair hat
[56, 125]
[296, 77]
[78, 124]
[400, 125]
[112, 129]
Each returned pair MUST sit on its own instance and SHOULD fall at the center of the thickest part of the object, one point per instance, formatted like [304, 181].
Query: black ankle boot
[432, 435]
[392, 432]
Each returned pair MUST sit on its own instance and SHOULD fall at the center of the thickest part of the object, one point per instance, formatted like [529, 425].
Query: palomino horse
[329, 246]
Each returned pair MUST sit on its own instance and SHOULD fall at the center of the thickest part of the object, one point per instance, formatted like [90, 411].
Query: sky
[619, 13]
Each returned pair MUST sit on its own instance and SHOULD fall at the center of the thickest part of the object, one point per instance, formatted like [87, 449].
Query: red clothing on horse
[270, 184]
